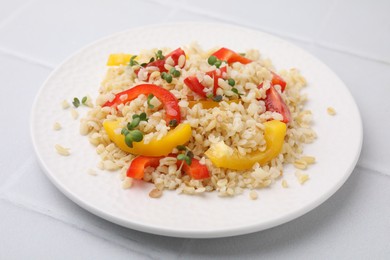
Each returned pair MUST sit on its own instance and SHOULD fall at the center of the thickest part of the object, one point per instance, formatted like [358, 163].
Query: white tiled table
[39, 222]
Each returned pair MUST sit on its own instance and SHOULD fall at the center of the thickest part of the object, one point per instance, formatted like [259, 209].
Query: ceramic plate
[336, 149]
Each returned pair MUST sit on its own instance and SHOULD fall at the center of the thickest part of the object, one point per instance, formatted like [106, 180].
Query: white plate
[336, 149]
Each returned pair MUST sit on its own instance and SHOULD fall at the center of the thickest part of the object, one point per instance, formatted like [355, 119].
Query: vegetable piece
[174, 72]
[76, 102]
[217, 98]
[175, 55]
[212, 60]
[230, 56]
[224, 156]
[195, 170]
[139, 164]
[217, 74]
[186, 156]
[150, 97]
[177, 136]
[193, 83]
[278, 80]
[209, 103]
[159, 55]
[231, 82]
[275, 103]
[169, 101]
[167, 77]
[117, 59]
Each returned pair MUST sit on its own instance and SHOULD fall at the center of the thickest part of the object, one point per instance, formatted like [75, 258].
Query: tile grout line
[197, 11]
[372, 171]
[25, 58]
[15, 13]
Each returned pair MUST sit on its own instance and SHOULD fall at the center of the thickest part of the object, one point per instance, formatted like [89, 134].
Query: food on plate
[195, 121]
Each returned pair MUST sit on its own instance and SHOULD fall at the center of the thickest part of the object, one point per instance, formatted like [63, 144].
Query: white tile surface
[20, 92]
[38, 221]
[340, 224]
[9, 10]
[279, 17]
[29, 235]
[52, 30]
[360, 27]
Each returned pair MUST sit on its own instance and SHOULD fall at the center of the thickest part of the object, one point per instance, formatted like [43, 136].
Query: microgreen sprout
[159, 55]
[217, 98]
[133, 62]
[234, 90]
[231, 82]
[173, 123]
[150, 97]
[174, 72]
[186, 156]
[131, 134]
[212, 60]
[167, 77]
[76, 102]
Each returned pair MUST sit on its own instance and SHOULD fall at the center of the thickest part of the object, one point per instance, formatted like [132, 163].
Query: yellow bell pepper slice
[117, 59]
[224, 156]
[206, 104]
[177, 136]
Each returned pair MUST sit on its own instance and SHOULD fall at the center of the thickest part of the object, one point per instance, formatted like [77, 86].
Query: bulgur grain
[62, 150]
[74, 113]
[302, 178]
[331, 111]
[65, 104]
[127, 183]
[56, 126]
[155, 193]
[253, 195]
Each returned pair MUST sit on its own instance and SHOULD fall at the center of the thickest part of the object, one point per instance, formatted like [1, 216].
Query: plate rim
[158, 230]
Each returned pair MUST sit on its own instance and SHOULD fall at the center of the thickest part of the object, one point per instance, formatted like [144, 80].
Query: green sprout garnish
[76, 102]
[131, 134]
[159, 55]
[186, 156]
[133, 62]
[150, 97]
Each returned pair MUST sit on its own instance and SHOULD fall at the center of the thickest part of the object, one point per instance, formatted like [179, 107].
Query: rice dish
[228, 116]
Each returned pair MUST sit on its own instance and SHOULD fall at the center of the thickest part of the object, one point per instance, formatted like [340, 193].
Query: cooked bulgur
[238, 126]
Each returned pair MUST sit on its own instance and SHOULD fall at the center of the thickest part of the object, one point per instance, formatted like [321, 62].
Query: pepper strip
[225, 157]
[138, 165]
[180, 135]
[230, 56]
[169, 101]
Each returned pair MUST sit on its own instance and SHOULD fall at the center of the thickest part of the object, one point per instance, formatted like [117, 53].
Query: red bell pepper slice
[278, 80]
[193, 83]
[230, 56]
[275, 103]
[196, 170]
[139, 164]
[168, 100]
[216, 75]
